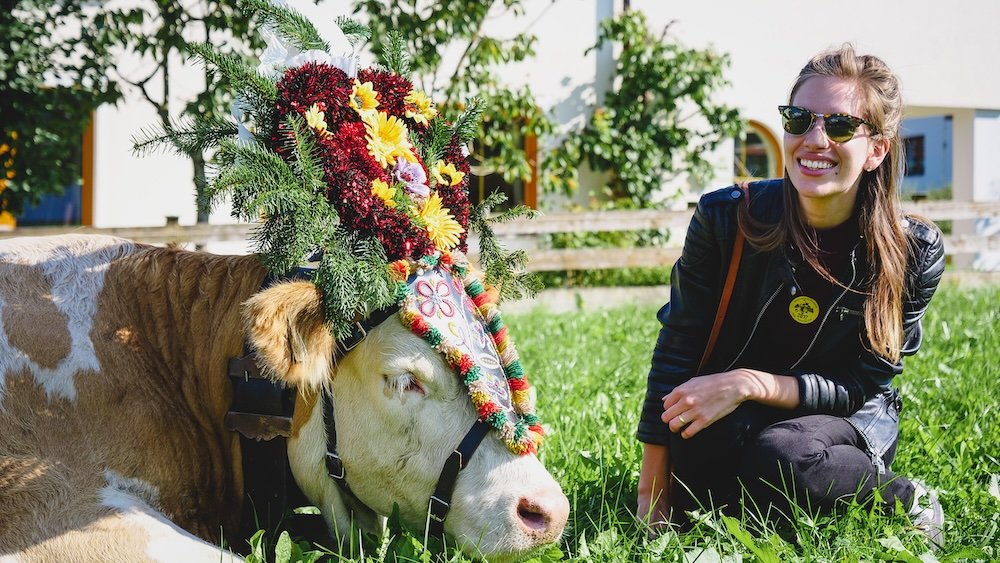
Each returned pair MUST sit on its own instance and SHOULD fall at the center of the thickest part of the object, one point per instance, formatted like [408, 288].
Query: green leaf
[257, 548]
[283, 549]
[765, 553]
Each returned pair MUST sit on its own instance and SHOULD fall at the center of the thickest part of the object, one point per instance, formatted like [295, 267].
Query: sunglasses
[839, 127]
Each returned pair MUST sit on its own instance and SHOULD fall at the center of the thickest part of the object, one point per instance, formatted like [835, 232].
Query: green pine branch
[394, 54]
[241, 76]
[357, 33]
[184, 136]
[436, 141]
[353, 278]
[467, 124]
[290, 24]
[305, 165]
[503, 269]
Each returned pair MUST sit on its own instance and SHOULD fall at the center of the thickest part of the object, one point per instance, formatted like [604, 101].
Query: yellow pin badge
[803, 309]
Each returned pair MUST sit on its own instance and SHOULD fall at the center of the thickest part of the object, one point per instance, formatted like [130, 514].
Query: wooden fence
[527, 234]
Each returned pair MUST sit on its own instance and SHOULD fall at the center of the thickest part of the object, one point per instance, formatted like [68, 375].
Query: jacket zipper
[844, 312]
[755, 323]
[854, 274]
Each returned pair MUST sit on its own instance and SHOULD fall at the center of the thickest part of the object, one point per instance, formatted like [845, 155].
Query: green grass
[590, 371]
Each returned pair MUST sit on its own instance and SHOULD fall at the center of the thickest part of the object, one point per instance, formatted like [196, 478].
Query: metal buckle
[430, 508]
[338, 463]
[356, 338]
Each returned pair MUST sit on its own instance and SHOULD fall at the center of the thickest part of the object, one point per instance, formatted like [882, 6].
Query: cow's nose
[543, 516]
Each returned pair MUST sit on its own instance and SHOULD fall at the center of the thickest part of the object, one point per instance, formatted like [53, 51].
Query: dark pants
[759, 458]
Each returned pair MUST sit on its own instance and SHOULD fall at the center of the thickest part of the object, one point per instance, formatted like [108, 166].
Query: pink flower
[413, 176]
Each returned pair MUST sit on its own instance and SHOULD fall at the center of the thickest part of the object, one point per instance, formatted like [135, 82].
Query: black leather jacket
[837, 374]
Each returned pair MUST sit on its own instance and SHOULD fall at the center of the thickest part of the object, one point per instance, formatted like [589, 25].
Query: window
[756, 154]
[485, 180]
[74, 206]
[914, 148]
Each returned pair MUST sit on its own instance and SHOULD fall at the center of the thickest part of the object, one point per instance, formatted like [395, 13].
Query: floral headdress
[357, 168]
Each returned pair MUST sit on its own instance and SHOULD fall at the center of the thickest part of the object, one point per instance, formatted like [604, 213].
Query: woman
[795, 401]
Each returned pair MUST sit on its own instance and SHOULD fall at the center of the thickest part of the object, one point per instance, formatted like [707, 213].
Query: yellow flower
[316, 119]
[363, 98]
[384, 192]
[446, 173]
[442, 228]
[4, 148]
[419, 107]
[388, 138]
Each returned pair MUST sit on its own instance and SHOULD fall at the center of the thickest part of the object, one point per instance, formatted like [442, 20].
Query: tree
[657, 122]
[432, 29]
[162, 30]
[53, 75]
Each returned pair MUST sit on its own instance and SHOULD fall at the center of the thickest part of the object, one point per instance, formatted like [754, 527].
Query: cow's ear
[285, 324]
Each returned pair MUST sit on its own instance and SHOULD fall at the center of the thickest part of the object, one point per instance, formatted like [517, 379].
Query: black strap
[360, 329]
[261, 411]
[334, 466]
[440, 501]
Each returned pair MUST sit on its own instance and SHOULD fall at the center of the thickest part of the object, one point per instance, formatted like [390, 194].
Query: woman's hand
[700, 401]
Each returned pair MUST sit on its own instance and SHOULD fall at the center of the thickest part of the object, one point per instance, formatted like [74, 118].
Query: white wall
[945, 53]
[986, 179]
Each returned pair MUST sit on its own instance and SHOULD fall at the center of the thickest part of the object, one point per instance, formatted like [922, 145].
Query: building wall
[935, 134]
[945, 55]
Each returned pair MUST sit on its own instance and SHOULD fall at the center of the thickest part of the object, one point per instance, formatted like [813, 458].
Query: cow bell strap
[440, 501]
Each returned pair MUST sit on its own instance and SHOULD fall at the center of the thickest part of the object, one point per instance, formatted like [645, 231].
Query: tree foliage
[53, 75]
[658, 121]
[160, 31]
[430, 30]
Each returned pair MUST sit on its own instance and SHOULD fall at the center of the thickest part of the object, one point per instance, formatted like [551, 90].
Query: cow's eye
[402, 384]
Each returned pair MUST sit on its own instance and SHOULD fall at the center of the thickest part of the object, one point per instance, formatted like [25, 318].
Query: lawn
[590, 370]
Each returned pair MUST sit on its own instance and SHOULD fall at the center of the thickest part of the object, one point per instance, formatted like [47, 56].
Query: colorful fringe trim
[523, 437]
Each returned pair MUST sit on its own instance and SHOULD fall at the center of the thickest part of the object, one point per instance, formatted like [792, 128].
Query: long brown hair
[877, 206]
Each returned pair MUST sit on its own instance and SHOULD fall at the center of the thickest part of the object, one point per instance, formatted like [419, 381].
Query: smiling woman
[795, 404]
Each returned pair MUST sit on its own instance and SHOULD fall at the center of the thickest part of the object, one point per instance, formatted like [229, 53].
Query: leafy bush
[658, 122]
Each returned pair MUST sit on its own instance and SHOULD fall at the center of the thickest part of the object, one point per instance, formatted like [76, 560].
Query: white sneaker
[927, 514]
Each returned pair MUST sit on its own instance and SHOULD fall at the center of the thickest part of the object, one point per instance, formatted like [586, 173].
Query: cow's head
[400, 411]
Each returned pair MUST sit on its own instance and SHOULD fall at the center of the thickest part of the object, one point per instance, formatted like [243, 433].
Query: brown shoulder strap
[727, 289]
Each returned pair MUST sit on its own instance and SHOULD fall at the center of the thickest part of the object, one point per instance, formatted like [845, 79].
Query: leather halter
[262, 412]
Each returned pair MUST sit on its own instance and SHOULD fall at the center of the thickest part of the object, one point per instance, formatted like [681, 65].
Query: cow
[113, 395]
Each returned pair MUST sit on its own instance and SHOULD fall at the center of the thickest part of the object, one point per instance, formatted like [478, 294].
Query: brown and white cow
[113, 392]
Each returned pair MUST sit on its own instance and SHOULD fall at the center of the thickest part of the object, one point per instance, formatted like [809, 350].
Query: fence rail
[526, 233]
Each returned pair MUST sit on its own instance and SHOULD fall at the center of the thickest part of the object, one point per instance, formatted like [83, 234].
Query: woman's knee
[781, 452]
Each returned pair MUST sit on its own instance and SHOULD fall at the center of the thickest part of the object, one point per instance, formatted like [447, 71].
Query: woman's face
[826, 173]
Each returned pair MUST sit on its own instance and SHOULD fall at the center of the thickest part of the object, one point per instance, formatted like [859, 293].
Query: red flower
[391, 88]
[316, 83]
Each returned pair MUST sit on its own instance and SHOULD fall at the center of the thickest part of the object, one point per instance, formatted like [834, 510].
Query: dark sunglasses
[839, 127]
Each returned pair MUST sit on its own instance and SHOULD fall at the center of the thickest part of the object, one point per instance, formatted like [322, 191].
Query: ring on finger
[681, 418]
